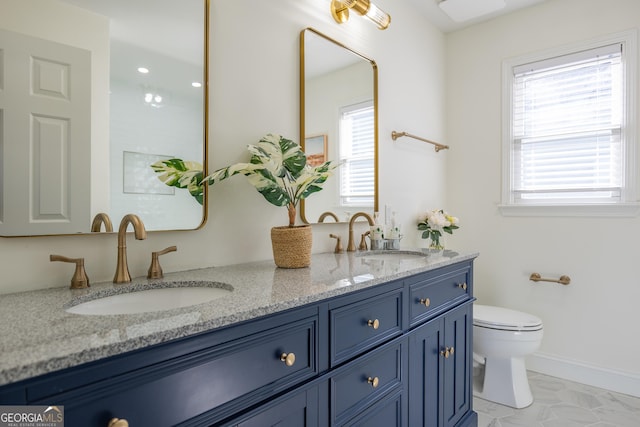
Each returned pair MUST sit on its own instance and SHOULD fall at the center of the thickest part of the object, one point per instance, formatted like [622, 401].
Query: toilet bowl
[501, 339]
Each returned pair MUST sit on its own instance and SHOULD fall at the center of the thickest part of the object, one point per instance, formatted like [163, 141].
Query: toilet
[501, 340]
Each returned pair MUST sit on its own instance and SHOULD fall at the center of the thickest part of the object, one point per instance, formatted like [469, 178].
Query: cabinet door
[426, 367]
[458, 324]
[440, 369]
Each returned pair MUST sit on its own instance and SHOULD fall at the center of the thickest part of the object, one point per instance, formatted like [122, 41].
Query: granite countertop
[39, 336]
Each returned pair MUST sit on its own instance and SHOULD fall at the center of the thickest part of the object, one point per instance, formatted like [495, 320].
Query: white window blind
[357, 155]
[568, 113]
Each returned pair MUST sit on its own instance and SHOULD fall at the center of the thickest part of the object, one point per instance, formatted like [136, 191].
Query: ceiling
[435, 15]
[164, 26]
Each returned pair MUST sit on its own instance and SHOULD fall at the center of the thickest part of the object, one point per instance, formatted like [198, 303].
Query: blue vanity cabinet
[396, 354]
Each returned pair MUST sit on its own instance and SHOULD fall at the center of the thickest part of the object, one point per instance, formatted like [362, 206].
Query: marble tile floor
[562, 403]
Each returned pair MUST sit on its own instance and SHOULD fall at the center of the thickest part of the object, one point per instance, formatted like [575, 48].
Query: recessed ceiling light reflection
[153, 99]
[196, 84]
[143, 70]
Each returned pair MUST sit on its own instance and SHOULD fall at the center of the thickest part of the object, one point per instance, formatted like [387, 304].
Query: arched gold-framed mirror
[339, 122]
[92, 54]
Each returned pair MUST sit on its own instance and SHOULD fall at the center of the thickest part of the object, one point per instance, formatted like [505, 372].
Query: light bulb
[379, 17]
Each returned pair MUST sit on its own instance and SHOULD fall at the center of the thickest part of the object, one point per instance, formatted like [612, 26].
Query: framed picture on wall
[315, 147]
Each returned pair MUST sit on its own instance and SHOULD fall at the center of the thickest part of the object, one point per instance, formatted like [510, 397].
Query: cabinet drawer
[363, 324]
[358, 384]
[226, 377]
[432, 295]
[387, 413]
[298, 408]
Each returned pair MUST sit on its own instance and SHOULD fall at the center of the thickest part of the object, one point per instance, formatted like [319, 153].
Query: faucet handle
[155, 271]
[79, 279]
[363, 242]
[338, 248]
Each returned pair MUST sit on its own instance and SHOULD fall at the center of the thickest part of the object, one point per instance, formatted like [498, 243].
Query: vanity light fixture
[340, 12]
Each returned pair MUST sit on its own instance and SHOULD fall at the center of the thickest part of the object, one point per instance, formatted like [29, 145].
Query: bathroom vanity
[357, 339]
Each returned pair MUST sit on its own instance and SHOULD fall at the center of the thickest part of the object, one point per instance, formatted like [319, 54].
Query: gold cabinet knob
[462, 286]
[448, 351]
[116, 422]
[375, 324]
[425, 301]
[375, 381]
[288, 358]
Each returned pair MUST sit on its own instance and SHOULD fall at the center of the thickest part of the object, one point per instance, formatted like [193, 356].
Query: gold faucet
[122, 269]
[98, 220]
[351, 247]
[326, 214]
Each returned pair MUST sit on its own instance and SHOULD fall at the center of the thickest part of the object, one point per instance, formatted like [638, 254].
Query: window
[357, 149]
[569, 139]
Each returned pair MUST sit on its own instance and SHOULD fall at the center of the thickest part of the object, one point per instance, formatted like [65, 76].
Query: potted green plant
[278, 169]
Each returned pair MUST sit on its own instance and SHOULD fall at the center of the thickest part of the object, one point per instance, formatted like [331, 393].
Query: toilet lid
[503, 318]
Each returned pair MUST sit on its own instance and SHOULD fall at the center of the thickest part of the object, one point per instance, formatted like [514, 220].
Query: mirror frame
[206, 9]
[374, 69]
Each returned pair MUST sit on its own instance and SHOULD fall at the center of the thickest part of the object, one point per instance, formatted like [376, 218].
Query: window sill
[586, 210]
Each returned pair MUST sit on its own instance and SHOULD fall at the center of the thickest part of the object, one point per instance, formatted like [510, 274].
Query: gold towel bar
[564, 280]
[395, 135]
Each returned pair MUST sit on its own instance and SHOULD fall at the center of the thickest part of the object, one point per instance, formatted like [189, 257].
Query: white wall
[254, 91]
[590, 324]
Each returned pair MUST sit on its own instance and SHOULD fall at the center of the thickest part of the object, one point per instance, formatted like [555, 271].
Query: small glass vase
[436, 246]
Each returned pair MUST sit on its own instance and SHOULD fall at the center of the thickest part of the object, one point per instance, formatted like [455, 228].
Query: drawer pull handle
[425, 301]
[375, 324]
[375, 381]
[115, 422]
[448, 351]
[462, 286]
[288, 358]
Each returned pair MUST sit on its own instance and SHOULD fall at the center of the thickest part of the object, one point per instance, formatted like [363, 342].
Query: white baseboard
[597, 376]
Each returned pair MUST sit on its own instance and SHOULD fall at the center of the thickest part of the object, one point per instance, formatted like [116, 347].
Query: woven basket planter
[292, 246]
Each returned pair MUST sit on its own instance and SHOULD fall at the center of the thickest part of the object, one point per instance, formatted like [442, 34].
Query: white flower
[436, 222]
[438, 219]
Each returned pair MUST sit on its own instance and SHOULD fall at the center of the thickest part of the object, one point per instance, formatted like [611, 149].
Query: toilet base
[505, 382]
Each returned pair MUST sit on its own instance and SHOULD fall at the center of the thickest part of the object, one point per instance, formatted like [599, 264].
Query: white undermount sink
[152, 299]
